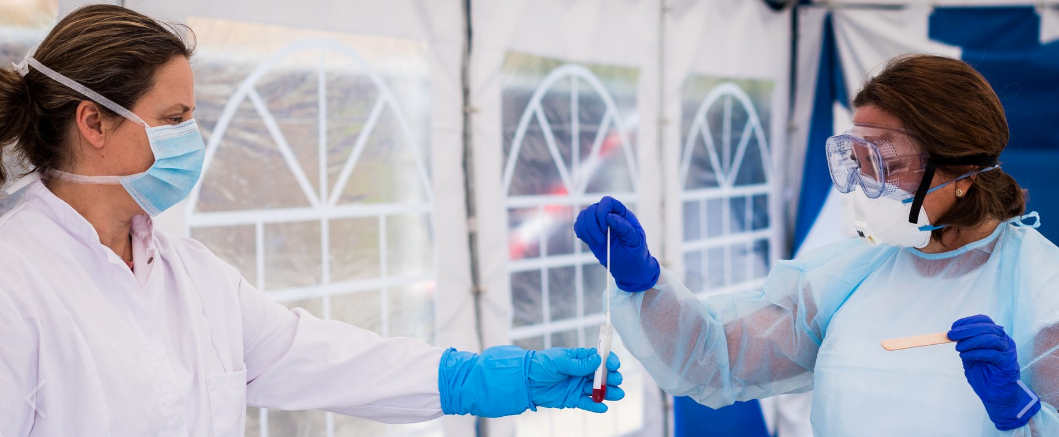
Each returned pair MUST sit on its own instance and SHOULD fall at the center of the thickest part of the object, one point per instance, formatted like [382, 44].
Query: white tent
[414, 166]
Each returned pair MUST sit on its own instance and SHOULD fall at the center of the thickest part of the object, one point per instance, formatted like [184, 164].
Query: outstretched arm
[296, 361]
[732, 347]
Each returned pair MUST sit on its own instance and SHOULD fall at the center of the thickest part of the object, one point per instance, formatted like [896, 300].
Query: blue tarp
[1003, 43]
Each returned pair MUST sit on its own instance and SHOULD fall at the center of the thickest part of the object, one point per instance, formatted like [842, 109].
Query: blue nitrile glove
[992, 367]
[562, 378]
[507, 380]
[632, 265]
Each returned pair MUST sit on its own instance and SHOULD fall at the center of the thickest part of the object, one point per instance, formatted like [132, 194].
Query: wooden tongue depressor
[895, 344]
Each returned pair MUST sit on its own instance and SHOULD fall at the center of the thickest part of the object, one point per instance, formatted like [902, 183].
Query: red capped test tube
[599, 384]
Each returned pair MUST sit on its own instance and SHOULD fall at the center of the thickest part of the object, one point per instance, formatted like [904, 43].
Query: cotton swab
[609, 277]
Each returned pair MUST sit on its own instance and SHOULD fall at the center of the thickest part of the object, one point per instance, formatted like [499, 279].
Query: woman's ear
[90, 123]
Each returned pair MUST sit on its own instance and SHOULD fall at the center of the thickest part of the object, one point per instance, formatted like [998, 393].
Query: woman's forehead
[174, 85]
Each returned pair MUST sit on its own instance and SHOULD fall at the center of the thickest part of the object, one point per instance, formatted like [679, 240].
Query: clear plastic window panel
[568, 131]
[727, 184]
[317, 184]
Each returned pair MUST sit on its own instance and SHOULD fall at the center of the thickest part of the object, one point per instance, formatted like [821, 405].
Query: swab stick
[895, 344]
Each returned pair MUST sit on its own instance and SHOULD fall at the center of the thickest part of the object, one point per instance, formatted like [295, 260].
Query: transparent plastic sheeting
[568, 140]
[819, 320]
[563, 102]
[317, 182]
[329, 136]
[726, 155]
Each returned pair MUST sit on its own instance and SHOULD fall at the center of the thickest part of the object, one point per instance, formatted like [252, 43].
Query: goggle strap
[979, 160]
[921, 192]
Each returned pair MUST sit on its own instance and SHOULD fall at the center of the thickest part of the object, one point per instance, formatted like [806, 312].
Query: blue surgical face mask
[178, 154]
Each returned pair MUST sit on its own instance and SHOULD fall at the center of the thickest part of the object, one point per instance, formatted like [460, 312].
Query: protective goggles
[886, 162]
[883, 162]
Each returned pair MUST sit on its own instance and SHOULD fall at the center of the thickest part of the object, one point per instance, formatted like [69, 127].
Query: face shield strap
[928, 176]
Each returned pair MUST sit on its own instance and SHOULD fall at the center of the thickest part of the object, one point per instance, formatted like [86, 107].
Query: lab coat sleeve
[295, 361]
[18, 371]
[740, 346]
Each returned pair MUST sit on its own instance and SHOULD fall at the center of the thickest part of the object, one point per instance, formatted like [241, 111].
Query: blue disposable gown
[819, 322]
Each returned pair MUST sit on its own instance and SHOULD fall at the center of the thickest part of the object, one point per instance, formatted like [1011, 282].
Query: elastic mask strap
[1021, 221]
[80, 179]
[23, 69]
[954, 180]
[963, 177]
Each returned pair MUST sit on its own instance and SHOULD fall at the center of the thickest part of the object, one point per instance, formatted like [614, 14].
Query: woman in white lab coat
[111, 328]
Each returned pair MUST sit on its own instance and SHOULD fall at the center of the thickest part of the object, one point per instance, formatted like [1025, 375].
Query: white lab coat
[88, 348]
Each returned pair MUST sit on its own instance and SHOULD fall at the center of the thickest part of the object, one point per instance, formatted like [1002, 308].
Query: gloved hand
[507, 380]
[992, 367]
[562, 378]
[632, 265]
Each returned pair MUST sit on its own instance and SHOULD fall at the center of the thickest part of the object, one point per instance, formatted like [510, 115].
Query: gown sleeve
[741, 346]
[1039, 355]
[295, 361]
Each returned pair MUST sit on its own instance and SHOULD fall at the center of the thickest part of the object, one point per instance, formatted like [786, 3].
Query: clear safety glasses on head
[178, 152]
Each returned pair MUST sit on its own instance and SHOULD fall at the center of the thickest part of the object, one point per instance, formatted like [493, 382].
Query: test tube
[606, 332]
[599, 385]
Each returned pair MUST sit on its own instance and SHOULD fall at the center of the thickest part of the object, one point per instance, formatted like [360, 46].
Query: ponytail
[15, 114]
[994, 194]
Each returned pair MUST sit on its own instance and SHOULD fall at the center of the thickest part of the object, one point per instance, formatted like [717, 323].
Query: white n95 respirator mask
[884, 220]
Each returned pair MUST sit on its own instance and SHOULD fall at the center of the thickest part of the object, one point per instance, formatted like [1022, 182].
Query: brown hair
[952, 112]
[109, 49]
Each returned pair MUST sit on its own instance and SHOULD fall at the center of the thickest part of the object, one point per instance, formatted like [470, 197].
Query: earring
[959, 193]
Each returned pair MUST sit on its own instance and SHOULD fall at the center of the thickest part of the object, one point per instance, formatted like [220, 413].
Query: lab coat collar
[143, 230]
[66, 216]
